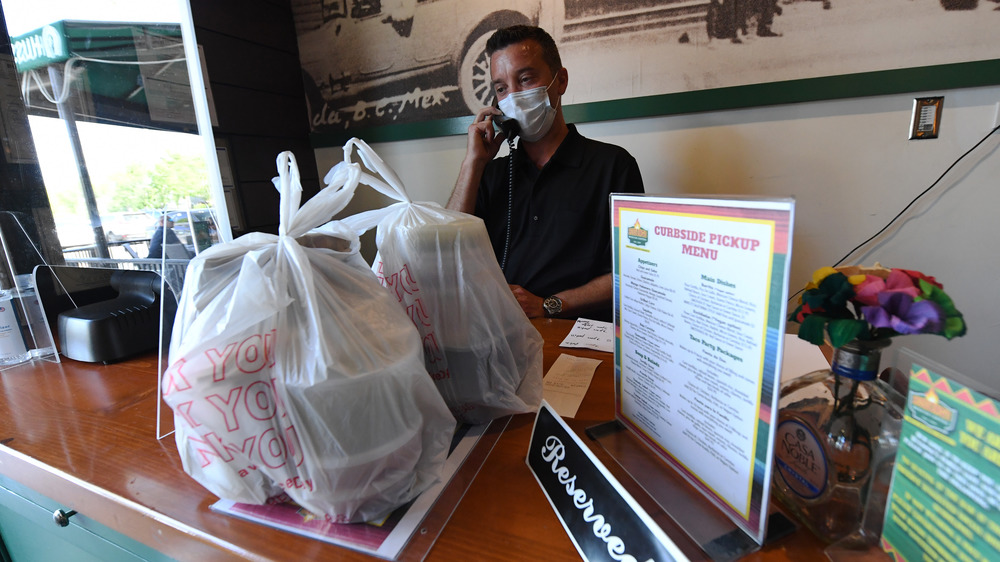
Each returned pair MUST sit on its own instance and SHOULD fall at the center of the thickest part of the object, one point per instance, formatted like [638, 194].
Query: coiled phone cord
[510, 201]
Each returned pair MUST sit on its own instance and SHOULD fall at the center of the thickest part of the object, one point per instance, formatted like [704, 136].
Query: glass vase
[838, 431]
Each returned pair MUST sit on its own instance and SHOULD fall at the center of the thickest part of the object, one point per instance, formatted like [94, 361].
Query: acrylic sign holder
[20, 255]
[717, 535]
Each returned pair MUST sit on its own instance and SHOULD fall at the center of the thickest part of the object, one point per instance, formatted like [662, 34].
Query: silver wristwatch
[552, 306]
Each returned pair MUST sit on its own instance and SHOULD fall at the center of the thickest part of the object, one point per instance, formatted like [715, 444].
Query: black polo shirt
[560, 235]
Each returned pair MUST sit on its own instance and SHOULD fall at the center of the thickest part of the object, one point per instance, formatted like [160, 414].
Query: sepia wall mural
[371, 63]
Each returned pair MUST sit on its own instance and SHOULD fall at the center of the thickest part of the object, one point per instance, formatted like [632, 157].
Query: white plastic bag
[481, 350]
[292, 371]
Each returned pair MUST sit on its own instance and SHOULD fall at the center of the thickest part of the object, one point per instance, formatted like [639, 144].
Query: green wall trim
[404, 131]
[883, 82]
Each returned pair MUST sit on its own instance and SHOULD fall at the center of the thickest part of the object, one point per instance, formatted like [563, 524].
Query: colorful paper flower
[848, 303]
[917, 276]
[897, 282]
[898, 311]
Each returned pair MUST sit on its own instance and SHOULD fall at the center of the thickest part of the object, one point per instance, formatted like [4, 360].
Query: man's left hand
[530, 304]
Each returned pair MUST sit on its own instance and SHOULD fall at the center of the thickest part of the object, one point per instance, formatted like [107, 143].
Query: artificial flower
[870, 303]
[830, 295]
[897, 281]
[954, 324]
[822, 273]
[898, 310]
[916, 276]
[868, 290]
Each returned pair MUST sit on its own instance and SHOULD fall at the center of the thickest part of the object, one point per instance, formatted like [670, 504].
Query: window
[106, 134]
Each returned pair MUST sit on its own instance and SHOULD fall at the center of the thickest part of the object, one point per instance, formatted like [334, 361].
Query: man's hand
[484, 142]
[483, 145]
[595, 295]
[530, 304]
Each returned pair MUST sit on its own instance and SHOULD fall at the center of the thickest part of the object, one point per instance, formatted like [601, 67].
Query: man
[164, 236]
[550, 221]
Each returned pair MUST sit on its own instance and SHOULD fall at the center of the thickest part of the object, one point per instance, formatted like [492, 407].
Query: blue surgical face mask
[532, 111]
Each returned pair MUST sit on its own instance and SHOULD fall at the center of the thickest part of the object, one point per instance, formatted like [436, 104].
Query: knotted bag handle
[389, 184]
[294, 221]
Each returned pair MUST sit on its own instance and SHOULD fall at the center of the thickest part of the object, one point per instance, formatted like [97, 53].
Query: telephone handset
[508, 125]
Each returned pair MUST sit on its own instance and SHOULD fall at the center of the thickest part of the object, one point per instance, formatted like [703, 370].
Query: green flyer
[945, 495]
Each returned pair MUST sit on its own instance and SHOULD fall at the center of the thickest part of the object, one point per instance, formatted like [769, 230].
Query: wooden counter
[84, 435]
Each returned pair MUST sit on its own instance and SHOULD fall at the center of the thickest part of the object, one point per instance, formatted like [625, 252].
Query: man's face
[521, 67]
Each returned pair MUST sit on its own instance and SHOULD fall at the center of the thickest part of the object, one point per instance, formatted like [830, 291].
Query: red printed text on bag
[404, 286]
[233, 393]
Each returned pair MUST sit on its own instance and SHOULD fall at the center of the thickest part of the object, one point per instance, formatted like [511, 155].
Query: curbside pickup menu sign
[602, 519]
[699, 292]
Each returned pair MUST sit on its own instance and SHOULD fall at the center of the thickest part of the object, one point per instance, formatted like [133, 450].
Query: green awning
[117, 62]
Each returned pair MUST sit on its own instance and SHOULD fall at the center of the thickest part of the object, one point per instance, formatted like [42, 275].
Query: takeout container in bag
[292, 371]
[480, 349]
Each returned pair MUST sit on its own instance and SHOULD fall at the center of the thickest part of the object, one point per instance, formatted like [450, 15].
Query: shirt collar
[569, 153]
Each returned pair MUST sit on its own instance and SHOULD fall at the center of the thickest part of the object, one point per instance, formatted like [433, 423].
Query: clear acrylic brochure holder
[25, 334]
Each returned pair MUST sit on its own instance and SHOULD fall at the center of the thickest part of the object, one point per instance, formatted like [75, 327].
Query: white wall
[851, 168]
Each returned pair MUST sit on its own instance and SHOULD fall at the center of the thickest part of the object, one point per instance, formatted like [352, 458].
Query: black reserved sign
[602, 519]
